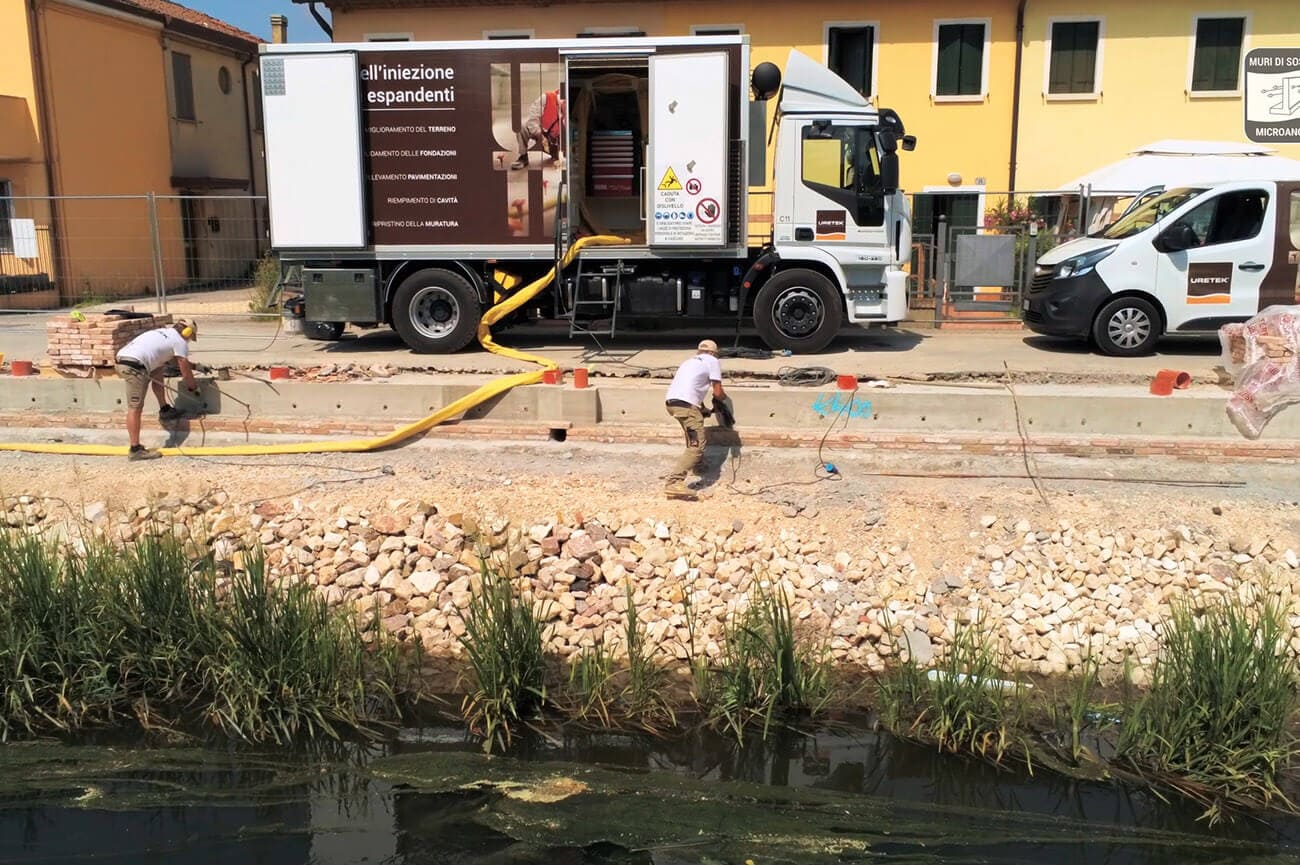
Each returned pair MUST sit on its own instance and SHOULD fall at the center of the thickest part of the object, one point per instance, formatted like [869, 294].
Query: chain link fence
[184, 254]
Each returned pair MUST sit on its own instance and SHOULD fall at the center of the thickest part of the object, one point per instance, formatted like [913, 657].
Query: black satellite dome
[766, 81]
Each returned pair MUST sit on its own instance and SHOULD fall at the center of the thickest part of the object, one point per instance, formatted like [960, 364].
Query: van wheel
[799, 310]
[436, 312]
[1127, 327]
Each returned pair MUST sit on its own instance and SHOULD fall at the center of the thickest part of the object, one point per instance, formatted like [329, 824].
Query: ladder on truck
[604, 320]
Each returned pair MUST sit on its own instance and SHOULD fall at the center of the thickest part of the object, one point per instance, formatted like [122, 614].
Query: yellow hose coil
[401, 434]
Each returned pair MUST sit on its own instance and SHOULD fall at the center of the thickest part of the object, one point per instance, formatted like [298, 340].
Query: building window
[609, 32]
[223, 80]
[183, 86]
[507, 34]
[6, 214]
[1217, 58]
[388, 37]
[717, 30]
[959, 67]
[850, 54]
[1073, 65]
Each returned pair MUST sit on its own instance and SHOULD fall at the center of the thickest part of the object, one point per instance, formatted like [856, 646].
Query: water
[429, 796]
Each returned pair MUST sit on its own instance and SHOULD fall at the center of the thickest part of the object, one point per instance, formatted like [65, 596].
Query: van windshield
[1150, 213]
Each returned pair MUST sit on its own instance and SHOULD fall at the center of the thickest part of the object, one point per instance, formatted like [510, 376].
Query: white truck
[416, 184]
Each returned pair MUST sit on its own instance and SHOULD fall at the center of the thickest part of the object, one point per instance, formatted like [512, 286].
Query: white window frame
[696, 28]
[875, 49]
[510, 34]
[1191, 55]
[1098, 64]
[388, 37]
[6, 192]
[983, 95]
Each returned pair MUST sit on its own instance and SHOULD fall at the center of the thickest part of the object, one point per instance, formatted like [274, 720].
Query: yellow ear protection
[187, 330]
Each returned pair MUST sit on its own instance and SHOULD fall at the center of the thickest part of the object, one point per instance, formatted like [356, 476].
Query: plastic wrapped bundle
[1262, 356]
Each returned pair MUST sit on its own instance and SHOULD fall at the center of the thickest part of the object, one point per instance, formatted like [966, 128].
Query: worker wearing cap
[692, 383]
[140, 363]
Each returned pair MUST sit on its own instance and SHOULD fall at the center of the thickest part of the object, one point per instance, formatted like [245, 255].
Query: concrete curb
[1088, 412]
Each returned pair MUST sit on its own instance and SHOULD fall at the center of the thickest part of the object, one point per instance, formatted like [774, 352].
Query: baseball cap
[708, 345]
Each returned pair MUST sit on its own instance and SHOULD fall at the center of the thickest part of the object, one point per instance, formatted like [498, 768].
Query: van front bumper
[1066, 307]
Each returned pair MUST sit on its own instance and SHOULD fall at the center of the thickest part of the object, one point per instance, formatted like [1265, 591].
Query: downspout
[324, 25]
[47, 143]
[1015, 96]
[252, 164]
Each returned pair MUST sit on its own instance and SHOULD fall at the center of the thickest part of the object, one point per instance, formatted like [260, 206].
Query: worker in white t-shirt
[140, 363]
[692, 383]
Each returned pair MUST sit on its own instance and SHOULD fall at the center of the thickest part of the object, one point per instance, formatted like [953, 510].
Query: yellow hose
[401, 434]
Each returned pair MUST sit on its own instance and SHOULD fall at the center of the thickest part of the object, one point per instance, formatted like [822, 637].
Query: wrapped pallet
[1263, 356]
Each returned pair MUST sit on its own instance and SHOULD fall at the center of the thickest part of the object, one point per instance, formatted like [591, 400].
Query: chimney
[279, 28]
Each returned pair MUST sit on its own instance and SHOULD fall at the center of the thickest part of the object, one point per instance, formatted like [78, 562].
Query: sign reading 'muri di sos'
[1273, 95]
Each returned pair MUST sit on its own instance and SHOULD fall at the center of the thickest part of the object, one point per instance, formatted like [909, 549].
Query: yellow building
[105, 98]
[996, 102]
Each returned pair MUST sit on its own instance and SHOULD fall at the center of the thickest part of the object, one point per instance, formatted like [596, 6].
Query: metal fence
[184, 254]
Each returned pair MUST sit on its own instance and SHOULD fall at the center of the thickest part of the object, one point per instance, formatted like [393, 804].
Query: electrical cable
[1024, 437]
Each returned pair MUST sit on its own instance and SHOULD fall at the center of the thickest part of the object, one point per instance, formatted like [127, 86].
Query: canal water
[430, 796]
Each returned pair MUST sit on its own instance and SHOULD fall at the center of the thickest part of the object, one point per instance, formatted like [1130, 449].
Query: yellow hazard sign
[670, 181]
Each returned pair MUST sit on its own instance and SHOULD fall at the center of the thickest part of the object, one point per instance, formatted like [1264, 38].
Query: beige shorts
[137, 384]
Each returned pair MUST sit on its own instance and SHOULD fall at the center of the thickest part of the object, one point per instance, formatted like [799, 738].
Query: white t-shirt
[693, 379]
[154, 348]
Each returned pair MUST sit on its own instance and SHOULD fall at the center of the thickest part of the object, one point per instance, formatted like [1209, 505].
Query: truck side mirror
[1176, 238]
[909, 143]
[889, 173]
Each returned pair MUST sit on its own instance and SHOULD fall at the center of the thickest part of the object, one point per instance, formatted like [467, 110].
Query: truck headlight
[1082, 264]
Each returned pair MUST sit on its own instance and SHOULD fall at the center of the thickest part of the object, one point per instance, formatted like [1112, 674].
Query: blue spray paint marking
[837, 404]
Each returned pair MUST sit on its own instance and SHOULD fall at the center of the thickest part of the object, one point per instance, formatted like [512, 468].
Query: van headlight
[1082, 264]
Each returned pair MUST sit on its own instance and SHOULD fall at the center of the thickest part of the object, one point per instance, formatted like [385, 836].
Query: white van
[1186, 261]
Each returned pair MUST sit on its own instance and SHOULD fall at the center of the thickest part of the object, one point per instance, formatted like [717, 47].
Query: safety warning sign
[670, 181]
[693, 186]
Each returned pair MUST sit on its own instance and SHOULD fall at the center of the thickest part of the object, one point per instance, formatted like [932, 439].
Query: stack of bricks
[95, 341]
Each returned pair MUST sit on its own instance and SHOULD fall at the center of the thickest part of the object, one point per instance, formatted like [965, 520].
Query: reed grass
[507, 665]
[768, 669]
[966, 703]
[1216, 721]
[144, 634]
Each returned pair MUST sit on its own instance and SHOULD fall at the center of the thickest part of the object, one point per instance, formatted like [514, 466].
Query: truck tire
[799, 310]
[436, 312]
[1127, 327]
[324, 331]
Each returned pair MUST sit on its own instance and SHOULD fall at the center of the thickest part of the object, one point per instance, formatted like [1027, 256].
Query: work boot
[679, 490]
[140, 452]
[521, 162]
[168, 412]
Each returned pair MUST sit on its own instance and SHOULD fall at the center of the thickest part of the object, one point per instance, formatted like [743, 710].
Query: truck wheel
[436, 312]
[1127, 327]
[799, 310]
[325, 331]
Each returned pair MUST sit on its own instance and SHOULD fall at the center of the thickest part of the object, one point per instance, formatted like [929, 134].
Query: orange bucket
[20, 368]
[580, 377]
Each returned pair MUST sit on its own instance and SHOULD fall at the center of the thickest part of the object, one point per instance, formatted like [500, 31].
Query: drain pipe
[320, 19]
[1015, 96]
[44, 114]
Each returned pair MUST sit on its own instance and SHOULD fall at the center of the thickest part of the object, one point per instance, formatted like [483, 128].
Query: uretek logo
[831, 224]
[1209, 283]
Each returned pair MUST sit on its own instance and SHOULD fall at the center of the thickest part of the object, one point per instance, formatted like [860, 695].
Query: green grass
[266, 276]
[1216, 721]
[507, 666]
[143, 634]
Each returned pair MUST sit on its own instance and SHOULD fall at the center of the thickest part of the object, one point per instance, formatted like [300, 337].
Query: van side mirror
[1176, 238]
[889, 172]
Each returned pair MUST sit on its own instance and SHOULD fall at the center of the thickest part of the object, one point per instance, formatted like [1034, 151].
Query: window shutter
[1074, 57]
[972, 59]
[849, 52]
[1218, 53]
[183, 84]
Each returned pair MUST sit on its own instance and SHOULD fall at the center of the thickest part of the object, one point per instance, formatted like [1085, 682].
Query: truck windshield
[1148, 214]
[842, 163]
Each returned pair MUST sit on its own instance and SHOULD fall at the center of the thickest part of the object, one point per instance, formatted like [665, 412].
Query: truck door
[838, 201]
[1212, 260]
[688, 204]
